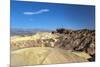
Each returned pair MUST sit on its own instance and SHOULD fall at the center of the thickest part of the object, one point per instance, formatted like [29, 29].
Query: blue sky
[37, 15]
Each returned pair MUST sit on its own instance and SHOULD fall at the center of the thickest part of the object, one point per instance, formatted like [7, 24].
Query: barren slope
[45, 55]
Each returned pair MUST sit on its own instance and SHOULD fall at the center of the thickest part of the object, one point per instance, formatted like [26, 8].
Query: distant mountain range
[26, 31]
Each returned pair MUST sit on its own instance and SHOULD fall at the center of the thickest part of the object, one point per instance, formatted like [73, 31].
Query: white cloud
[28, 13]
[37, 12]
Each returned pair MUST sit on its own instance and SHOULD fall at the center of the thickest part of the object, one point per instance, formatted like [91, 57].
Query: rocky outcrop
[71, 40]
[41, 39]
[79, 40]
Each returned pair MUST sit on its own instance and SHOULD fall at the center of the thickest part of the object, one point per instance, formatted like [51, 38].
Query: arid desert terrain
[60, 46]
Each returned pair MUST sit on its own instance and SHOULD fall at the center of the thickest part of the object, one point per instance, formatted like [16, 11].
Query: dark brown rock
[77, 40]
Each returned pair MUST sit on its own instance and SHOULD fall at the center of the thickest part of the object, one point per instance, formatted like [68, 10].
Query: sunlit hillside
[46, 55]
[61, 46]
